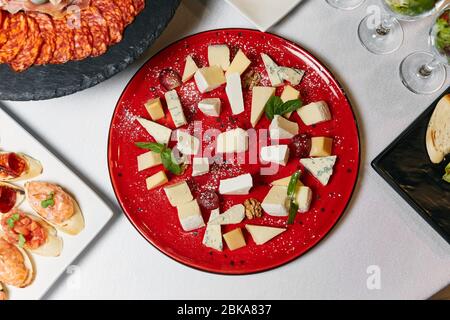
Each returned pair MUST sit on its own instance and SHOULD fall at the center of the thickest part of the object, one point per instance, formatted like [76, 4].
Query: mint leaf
[290, 106]
[153, 146]
[22, 241]
[273, 104]
[446, 176]
[169, 164]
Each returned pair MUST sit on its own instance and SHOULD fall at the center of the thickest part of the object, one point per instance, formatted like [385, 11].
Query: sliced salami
[30, 51]
[83, 41]
[98, 28]
[4, 26]
[47, 31]
[16, 37]
[113, 16]
[64, 45]
[139, 5]
[128, 10]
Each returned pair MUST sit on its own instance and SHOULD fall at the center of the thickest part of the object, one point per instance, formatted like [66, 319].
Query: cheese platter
[233, 151]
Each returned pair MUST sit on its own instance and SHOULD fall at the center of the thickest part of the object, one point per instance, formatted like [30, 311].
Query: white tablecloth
[379, 228]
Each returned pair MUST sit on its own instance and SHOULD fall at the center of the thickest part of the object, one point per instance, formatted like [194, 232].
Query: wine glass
[425, 72]
[345, 4]
[382, 33]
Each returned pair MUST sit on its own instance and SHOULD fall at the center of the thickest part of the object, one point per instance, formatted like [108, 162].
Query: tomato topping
[16, 225]
[12, 165]
[8, 197]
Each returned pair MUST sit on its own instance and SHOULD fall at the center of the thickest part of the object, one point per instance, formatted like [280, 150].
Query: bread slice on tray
[438, 133]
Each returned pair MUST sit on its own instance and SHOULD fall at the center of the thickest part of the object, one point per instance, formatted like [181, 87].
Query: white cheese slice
[213, 233]
[219, 55]
[190, 216]
[187, 144]
[178, 194]
[291, 75]
[240, 63]
[209, 78]
[234, 93]
[313, 113]
[148, 160]
[233, 215]
[239, 185]
[281, 128]
[260, 96]
[175, 108]
[156, 180]
[289, 94]
[320, 168]
[276, 202]
[211, 107]
[233, 141]
[200, 166]
[190, 69]
[160, 133]
[276, 154]
[304, 197]
[263, 234]
[272, 70]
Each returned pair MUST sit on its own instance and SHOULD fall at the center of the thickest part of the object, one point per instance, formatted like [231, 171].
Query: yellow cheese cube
[156, 180]
[178, 194]
[148, 160]
[155, 109]
[321, 147]
[289, 93]
[235, 239]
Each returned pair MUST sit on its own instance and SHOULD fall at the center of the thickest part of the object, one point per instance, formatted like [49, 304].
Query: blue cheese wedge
[175, 108]
[234, 93]
[187, 144]
[272, 70]
[160, 133]
[291, 75]
[219, 55]
[263, 234]
[320, 168]
[276, 202]
[233, 215]
[239, 185]
[190, 216]
[213, 233]
[178, 194]
[189, 69]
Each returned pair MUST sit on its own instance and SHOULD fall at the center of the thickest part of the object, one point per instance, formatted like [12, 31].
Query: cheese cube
[276, 154]
[187, 144]
[213, 233]
[262, 234]
[272, 70]
[219, 55]
[321, 147]
[160, 133]
[314, 113]
[292, 75]
[235, 239]
[289, 94]
[320, 168]
[240, 63]
[156, 180]
[189, 69]
[236, 186]
[155, 109]
[190, 216]
[200, 166]
[234, 93]
[209, 78]
[233, 141]
[284, 182]
[148, 160]
[233, 215]
[276, 202]
[175, 108]
[281, 128]
[178, 194]
[304, 198]
[260, 96]
[211, 107]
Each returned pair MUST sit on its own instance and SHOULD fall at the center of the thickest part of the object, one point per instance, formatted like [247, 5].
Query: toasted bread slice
[438, 133]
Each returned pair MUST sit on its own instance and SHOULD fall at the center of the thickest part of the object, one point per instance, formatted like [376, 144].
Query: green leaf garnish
[446, 176]
[292, 188]
[167, 158]
[293, 209]
[49, 202]
[276, 106]
[12, 220]
[22, 241]
[153, 146]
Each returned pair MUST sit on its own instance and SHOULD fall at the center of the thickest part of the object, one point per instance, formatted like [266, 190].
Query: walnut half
[253, 208]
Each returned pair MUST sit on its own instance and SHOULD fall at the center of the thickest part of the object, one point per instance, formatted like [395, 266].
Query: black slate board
[405, 165]
[51, 81]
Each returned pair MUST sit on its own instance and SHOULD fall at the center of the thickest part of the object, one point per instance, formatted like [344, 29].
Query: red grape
[169, 79]
[209, 200]
[300, 146]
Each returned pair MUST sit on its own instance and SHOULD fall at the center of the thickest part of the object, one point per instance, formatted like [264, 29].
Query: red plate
[150, 211]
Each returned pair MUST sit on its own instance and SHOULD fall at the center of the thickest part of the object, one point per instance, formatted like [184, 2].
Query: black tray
[51, 81]
[405, 165]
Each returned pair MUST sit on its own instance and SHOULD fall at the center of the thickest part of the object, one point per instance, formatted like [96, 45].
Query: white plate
[264, 13]
[96, 213]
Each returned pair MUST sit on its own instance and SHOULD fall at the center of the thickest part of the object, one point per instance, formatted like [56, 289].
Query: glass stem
[427, 69]
[387, 21]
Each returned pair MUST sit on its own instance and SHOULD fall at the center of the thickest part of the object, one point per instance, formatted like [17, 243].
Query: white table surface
[379, 228]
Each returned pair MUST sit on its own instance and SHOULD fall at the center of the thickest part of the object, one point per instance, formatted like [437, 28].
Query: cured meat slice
[4, 26]
[128, 10]
[16, 37]
[139, 5]
[29, 53]
[47, 31]
[83, 41]
[64, 45]
[99, 30]
[113, 16]
[8, 198]
[11, 165]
